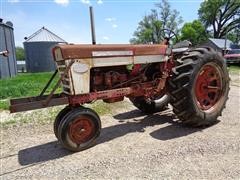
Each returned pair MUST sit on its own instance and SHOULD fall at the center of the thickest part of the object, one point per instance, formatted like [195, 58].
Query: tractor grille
[66, 82]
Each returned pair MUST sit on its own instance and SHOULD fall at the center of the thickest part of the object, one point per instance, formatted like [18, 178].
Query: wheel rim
[208, 86]
[81, 130]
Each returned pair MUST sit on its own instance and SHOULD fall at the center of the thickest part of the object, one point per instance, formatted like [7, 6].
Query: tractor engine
[108, 77]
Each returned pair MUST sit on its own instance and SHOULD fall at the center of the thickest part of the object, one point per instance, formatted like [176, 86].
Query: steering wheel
[167, 33]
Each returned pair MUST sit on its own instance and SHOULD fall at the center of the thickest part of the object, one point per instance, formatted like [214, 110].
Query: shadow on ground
[32, 156]
[42, 153]
[173, 129]
[130, 122]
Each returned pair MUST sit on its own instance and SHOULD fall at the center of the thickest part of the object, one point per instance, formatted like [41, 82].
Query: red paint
[208, 88]
[86, 98]
[147, 89]
[167, 66]
[136, 69]
[81, 130]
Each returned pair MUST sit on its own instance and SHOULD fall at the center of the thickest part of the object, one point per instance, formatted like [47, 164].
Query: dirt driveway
[131, 146]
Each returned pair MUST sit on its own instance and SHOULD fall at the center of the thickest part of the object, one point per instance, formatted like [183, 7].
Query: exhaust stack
[92, 25]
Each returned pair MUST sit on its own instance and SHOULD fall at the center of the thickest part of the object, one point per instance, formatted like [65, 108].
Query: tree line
[20, 54]
[216, 18]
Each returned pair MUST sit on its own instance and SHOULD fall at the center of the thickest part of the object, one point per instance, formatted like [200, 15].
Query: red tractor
[194, 81]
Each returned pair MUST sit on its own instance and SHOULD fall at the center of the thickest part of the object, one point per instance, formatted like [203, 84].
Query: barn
[38, 52]
[8, 66]
[218, 44]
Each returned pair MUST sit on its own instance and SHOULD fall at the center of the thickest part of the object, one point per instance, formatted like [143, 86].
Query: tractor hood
[61, 52]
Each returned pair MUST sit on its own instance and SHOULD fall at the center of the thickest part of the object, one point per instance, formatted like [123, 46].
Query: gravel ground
[131, 146]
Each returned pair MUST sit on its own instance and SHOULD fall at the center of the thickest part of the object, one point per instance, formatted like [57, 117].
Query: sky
[115, 20]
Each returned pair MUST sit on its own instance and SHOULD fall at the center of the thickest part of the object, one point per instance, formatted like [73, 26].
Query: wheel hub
[208, 86]
[81, 130]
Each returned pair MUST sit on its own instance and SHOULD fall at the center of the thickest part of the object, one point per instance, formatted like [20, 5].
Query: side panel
[112, 61]
[117, 61]
[111, 53]
[149, 59]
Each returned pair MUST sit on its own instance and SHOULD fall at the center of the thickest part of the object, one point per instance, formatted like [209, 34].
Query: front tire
[199, 87]
[59, 118]
[79, 129]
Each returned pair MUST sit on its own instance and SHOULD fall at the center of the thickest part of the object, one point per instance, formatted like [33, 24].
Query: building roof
[44, 35]
[221, 43]
[8, 24]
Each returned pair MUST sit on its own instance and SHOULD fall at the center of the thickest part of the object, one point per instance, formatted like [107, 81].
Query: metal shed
[8, 66]
[38, 48]
[218, 44]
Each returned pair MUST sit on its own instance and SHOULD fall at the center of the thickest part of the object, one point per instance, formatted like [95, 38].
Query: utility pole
[238, 35]
[225, 44]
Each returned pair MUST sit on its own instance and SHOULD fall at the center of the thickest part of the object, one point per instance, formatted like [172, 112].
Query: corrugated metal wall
[39, 56]
[8, 66]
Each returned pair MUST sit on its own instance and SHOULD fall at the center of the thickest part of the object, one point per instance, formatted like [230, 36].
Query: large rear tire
[199, 87]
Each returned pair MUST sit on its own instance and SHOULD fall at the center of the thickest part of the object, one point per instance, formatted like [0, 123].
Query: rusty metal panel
[86, 51]
[31, 103]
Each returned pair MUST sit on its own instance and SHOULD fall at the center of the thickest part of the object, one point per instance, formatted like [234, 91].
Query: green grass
[37, 117]
[101, 108]
[31, 84]
[4, 104]
[23, 85]
[47, 115]
[234, 69]
[28, 84]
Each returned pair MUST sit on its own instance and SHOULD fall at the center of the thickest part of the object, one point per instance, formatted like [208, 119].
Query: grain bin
[8, 67]
[38, 50]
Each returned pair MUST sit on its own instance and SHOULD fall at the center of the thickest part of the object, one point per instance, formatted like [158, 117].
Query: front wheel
[59, 118]
[199, 87]
[79, 129]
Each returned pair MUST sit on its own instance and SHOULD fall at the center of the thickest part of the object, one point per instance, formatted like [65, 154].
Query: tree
[149, 29]
[234, 35]
[222, 15]
[170, 18]
[194, 32]
[20, 55]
